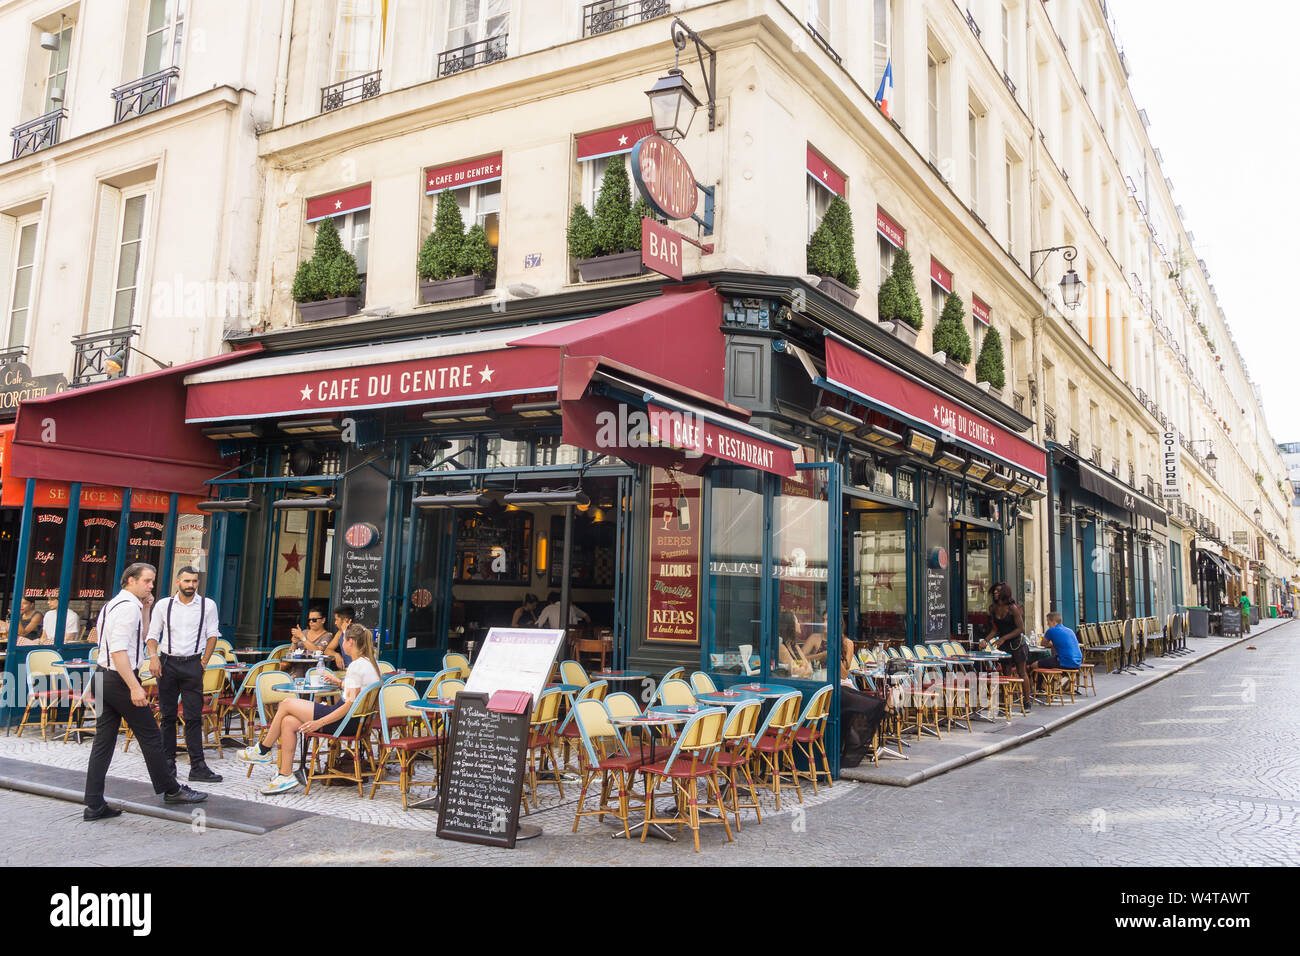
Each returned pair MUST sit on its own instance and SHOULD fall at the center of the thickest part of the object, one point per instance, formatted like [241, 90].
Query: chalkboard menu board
[483, 775]
[361, 559]
[936, 602]
[1230, 622]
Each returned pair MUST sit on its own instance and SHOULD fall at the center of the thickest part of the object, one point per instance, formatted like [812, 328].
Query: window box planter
[902, 331]
[618, 266]
[461, 287]
[838, 291]
[329, 308]
[957, 368]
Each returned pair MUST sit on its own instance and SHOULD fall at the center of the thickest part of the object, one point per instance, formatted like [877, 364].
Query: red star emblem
[292, 559]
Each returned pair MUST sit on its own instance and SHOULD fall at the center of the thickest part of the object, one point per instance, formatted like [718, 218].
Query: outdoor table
[645, 723]
[439, 707]
[300, 688]
[764, 690]
[619, 675]
[722, 698]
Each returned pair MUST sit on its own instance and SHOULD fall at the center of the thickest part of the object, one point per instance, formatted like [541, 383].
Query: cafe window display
[880, 579]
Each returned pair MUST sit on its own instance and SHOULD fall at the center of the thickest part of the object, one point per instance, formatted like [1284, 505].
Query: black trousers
[113, 705]
[183, 679]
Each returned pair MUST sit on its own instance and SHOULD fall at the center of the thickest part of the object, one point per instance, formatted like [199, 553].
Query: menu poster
[673, 596]
[46, 554]
[482, 774]
[513, 659]
[936, 603]
[361, 559]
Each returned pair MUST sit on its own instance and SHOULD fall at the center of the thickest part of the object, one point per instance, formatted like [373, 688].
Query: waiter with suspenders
[183, 631]
[119, 696]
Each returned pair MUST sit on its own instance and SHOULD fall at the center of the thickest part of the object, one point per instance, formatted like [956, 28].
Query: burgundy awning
[127, 432]
[898, 394]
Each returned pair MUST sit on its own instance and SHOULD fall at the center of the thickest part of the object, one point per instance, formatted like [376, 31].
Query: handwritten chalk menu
[483, 774]
[1231, 621]
[515, 659]
[359, 565]
[936, 602]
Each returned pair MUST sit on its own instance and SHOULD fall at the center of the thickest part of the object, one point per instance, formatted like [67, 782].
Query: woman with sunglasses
[315, 638]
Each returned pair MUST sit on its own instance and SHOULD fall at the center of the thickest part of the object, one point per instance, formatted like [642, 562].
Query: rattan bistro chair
[691, 762]
[737, 754]
[774, 745]
[810, 738]
[604, 753]
[396, 714]
[351, 737]
[48, 688]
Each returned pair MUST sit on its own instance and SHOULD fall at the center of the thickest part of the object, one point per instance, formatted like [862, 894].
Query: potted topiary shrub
[991, 366]
[608, 245]
[950, 335]
[898, 302]
[327, 286]
[830, 254]
[453, 264]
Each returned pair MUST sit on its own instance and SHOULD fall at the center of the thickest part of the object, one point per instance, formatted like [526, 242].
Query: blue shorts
[322, 710]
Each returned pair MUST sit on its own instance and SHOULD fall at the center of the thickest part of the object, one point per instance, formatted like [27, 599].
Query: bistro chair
[48, 688]
[351, 737]
[267, 699]
[150, 685]
[692, 760]
[622, 704]
[280, 652]
[676, 693]
[774, 745]
[450, 687]
[568, 731]
[431, 692]
[224, 646]
[737, 754]
[702, 683]
[810, 738]
[541, 743]
[214, 682]
[243, 703]
[457, 662]
[399, 741]
[571, 672]
[603, 752]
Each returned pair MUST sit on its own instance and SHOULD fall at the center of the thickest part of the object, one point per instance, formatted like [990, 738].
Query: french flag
[886, 91]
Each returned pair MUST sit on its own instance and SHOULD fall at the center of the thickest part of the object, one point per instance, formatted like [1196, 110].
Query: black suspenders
[203, 612]
[103, 619]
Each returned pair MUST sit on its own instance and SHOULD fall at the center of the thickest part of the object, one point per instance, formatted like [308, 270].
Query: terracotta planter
[838, 291]
[329, 308]
[461, 287]
[904, 332]
[618, 266]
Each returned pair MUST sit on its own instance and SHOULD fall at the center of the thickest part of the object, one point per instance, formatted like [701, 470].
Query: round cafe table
[619, 675]
[761, 690]
[300, 688]
[723, 698]
[644, 724]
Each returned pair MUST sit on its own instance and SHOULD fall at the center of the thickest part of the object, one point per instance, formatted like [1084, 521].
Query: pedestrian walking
[121, 697]
[183, 632]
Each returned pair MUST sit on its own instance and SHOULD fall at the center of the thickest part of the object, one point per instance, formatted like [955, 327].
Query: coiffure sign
[664, 177]
[1171, 469]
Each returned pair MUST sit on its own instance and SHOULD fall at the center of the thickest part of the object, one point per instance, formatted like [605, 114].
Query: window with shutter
[24, 272]
[164, 29]
[104, 267]
[357, 38]
[470, 21]
[8, 239]
[130, 253]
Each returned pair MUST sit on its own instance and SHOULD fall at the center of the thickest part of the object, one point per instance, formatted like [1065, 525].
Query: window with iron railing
[481, 53]
[146, 94]
[607, 15]
[351, 90]
[95, 353]
[39, 133]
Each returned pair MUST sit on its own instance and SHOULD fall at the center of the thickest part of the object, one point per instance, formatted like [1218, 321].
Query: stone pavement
[1199, 768]
[928, 757]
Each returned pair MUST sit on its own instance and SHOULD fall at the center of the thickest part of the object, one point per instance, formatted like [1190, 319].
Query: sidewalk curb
[1043, 730]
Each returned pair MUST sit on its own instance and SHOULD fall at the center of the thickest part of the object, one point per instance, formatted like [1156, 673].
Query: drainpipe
[282, 66]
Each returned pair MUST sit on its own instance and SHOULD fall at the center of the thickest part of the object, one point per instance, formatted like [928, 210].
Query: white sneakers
[254, 754]
[281, 783]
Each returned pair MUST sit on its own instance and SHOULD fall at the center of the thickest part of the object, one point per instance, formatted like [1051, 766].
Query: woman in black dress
[1008, 634]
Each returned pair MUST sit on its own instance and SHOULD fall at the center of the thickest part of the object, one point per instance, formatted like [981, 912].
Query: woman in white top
[294, 716]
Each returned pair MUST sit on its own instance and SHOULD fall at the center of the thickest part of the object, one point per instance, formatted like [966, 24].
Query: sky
[1220, 85]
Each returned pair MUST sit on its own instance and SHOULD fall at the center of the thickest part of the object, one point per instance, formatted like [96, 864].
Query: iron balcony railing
[1074, 442]
[352, 90]
[1049, 427]
[94, 349]
[606, 15]
[9, 356]
[825, 44]
[37, 133]
[462, 58]
[1018, 402]
[145, 95]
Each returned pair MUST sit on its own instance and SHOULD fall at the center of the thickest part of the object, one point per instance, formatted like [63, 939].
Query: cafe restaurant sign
[17, 385]
[673, 592]
[664, 178]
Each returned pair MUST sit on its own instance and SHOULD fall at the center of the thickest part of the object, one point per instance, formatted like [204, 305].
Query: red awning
[898, 394]
[127, 433]
[469, 172]
[824, 174]
[612, 142]
[353, 199]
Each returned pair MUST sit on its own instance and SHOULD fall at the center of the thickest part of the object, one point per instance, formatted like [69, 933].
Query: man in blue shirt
[1065, 645]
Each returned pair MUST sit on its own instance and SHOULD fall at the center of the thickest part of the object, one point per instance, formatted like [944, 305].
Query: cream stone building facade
[1010, 139]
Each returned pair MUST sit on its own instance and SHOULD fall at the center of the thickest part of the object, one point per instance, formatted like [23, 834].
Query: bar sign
[1171, 468]
[661, 249]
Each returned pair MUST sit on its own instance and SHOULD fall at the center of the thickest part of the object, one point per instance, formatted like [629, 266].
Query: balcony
[1049, 427]
[145, 95]
[470, 55]
[1018, 402]
[352, 90]
[1096, 455]
[824, 43]
[93, 351]
[605, 16]
[1074, 442]
[37, 133]
[10, 356]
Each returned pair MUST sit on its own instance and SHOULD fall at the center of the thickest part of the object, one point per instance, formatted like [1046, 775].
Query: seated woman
[293, 716]
[790, 653]
[860, 712]
[316, 637]
[526, 614]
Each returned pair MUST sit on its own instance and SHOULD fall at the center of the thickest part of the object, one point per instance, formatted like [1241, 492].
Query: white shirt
[183, 638]
[361, 673]
[120, 629]
[550, 618]
[72, 626]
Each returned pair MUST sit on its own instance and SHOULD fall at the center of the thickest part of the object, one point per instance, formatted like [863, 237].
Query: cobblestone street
[1198, 769]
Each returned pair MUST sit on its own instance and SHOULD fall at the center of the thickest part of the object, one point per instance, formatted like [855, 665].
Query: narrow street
[1198, 769]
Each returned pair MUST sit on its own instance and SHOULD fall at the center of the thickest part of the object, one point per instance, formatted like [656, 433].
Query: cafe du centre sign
[666, 181]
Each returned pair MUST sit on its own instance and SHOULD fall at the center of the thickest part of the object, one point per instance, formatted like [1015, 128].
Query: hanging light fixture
[672, 100]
